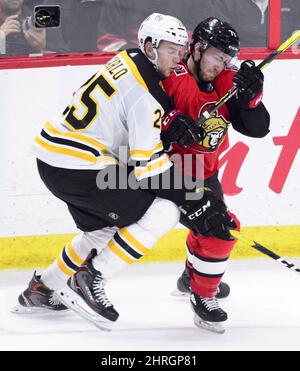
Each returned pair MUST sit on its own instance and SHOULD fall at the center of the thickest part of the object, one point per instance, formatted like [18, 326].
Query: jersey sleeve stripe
[76, 153]
[64, 151]
[146, 162]
[71, 143]
[76, 136]
[137, 154]
[154, 167]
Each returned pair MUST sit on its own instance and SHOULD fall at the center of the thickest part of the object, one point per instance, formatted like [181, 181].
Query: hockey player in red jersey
[200, 80]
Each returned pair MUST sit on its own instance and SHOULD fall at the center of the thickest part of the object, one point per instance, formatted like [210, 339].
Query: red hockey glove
[208, 217]
[180, 128]
[249, 81]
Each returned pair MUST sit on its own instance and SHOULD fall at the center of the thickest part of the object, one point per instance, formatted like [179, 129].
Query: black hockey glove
[249, 81]
[180, 128]
[208, 217]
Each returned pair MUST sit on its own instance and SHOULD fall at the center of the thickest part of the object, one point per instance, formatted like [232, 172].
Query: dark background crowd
[111, 25]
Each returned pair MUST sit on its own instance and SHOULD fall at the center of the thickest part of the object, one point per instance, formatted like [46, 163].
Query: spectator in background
[117, 18]
[80, 20]
[102, 25]
[249, 17]
[55, 41]
[122, 34]
[110, 25]
[17, 36]
[290, 17]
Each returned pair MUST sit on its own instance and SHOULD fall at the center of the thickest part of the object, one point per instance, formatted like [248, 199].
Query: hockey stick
[289, 42]
[264, 250]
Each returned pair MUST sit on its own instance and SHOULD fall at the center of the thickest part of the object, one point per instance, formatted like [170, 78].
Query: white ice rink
[263, 309]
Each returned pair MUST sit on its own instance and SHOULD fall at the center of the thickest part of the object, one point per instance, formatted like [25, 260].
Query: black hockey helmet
[213, 31]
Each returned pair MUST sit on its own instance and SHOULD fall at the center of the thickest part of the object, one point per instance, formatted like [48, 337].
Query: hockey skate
[208, 315]
[184, 289]
[85, 295]
[38, 298]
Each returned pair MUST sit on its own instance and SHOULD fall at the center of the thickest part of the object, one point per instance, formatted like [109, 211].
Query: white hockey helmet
[162, 27]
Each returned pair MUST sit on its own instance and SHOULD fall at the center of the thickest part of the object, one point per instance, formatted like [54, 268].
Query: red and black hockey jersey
[188, 98]
[191, 99]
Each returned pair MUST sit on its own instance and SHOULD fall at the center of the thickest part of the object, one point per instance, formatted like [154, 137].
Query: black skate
[208, 314]
[85, 294]
[38, 298]
[184, 289]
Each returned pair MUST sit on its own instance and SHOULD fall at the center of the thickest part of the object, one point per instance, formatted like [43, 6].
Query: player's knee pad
[132, 242]
[161, 217]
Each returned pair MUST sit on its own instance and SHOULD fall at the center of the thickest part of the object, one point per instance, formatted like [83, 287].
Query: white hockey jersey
[120, 107]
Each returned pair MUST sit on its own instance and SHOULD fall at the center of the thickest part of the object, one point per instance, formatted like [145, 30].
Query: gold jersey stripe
[63, 267]
[72, 135]
[76, 153]
[133, 241]
[73, 254]
[65, 151]
[151, 166]
[146, 154]
[120, 253]
[134, 70]
[107, 159]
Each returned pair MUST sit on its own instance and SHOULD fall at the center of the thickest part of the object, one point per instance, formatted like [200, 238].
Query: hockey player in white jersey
[121, 106]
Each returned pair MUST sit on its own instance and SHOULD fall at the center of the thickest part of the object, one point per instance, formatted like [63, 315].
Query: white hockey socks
[73, 255]
[131, 243]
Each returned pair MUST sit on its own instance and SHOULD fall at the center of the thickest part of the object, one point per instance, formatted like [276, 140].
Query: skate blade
[181, 294]
[19, 309]
[73, 301]
[215, 327]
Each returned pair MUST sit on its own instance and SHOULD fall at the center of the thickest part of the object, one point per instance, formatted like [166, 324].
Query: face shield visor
[216, 57]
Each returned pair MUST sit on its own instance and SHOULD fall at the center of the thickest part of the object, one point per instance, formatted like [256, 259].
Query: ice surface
[263, 309]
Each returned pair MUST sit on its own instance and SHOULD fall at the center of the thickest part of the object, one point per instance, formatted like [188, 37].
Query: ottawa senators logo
[215, 129]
